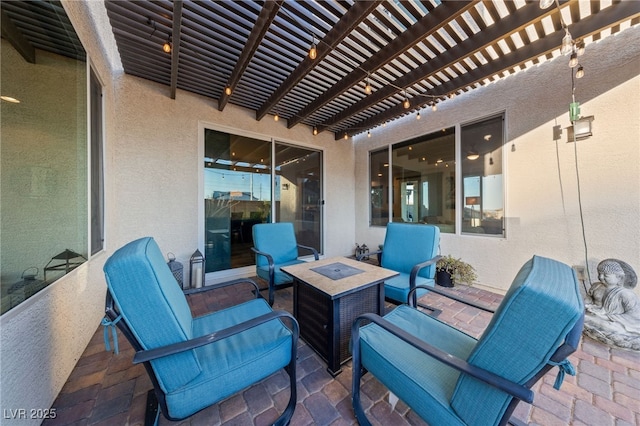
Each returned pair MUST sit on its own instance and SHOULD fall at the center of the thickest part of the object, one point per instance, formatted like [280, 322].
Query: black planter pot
[444, 279]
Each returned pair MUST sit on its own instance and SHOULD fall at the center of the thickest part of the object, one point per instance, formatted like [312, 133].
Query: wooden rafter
[591, 25]
[267, 15]
[351, 19]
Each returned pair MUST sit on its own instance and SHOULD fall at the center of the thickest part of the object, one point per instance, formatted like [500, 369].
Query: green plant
[459, 270]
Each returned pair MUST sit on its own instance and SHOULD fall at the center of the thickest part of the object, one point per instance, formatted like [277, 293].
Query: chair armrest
[314, 251]
[411, 301]
[414, 273]
[267, 255]
[151, 354]
[222, 285]
[505, 385]
[371, 253]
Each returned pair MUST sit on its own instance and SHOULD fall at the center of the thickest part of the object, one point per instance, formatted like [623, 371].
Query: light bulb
[418, 116]
[545, 4]
[473, 155]
[567, 43]
[573, 61]
[369, 134]
[166, 47]
[580, 48]
[434, 108]
[315, 130]
[406, 104]
[367, 87]
[276, 117]
[580, 72]
[227, 91]
[313, 52]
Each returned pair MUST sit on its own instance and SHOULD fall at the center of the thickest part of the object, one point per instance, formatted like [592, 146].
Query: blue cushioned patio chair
[275, 246]
[448, 377]
[194, 362]
[411, 250]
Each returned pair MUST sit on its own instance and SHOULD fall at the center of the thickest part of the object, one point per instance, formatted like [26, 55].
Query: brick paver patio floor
[107, 389]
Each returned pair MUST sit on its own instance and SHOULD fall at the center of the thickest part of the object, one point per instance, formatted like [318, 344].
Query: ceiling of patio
[422, 50]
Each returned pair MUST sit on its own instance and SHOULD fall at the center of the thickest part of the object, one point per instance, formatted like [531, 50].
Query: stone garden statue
[613, 308]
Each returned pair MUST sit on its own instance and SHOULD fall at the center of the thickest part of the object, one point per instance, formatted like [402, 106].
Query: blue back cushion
[276, 239]
[536, 314]
[407, 244]
[153, 305]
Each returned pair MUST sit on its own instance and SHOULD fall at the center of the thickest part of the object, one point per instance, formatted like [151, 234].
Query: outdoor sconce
[580, 130]
[196, 268]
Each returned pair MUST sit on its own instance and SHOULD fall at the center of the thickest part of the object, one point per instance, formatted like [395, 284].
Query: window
[97, 170]
[242, 188]
[423, 178]
[424, 185]
[44, 213]
[482, 185]
[379, 195]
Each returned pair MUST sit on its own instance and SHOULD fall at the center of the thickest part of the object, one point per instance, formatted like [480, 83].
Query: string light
[166, 47]
[313, 51]
[573, 61]
[580, 72]
[369, 134]
[276, 117]
[367, 86]
[406, 104]
[434, 107]
[315, 130]
[227, 91]
[418, 116]
[346, 136]
[567, 43]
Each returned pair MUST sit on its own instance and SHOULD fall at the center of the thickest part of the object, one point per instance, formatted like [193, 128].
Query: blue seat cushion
[397, 288]
[419, 380]
[144, 289]
[279, 277]
[276, 239]
[535, 316]
[235, 363]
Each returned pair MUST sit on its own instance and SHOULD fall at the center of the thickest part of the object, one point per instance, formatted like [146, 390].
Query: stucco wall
[42, 339]
[541, 195]
[156, 166]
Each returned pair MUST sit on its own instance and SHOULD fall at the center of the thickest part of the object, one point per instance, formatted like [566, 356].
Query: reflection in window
[43, 159]
[482, 183]
[424, 180]
[298, 192]
[379, 191]
[237, 195]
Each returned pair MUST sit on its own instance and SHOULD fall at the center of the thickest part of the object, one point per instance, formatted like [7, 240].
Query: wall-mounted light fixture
[580, 130]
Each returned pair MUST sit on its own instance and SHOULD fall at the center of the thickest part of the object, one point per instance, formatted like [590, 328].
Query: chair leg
[152, 413]
[286, 415]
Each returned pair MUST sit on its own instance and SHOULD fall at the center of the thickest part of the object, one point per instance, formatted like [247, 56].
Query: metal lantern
[176, 268]
[196, 269]
[23, 289]
[362, 252]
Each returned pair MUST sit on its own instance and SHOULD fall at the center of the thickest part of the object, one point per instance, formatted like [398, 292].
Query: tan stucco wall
[541, 185]
[151, 166]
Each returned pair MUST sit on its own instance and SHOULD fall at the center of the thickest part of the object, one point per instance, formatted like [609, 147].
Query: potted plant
[450, 270]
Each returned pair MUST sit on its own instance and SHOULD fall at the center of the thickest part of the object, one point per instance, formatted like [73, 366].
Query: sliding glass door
[239, 186]
[298, 190]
